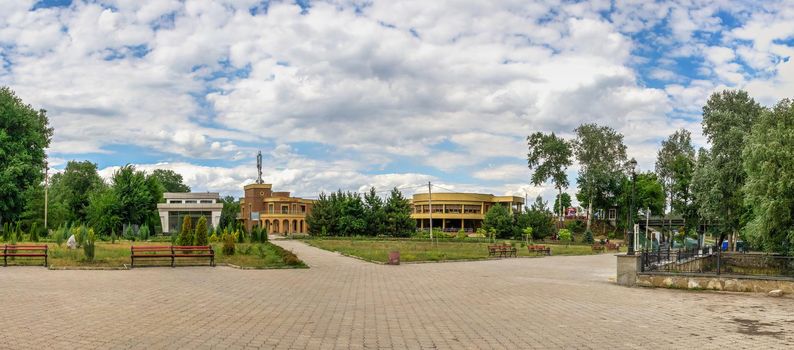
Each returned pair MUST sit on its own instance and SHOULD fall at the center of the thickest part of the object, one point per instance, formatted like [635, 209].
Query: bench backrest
[150, 248]
[193, 247]
[536, 246]
[25, 247]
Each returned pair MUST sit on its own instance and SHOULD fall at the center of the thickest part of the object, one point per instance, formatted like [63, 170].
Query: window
[303, 208]
[207, 201]
[471, 209]
[452, 209]
[613, 214]
[285, 209]
[190, 202]
[174, 201]
[270, 208]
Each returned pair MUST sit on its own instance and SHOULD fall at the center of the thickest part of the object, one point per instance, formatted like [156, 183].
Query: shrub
[588, 237]
[228, 243]
[186, 234]
[565, 235]
[261, 251]
[290, 258]
[60, 234]
[34, 232]
[113, 236]
[201, 232]
[143, 233]
[575, 226]
[214, 238]
[128, 233]
[462, 234]
[241, 236]
[89, 244]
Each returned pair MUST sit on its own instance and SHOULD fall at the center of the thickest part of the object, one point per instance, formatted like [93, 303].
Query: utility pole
[430, 202]
[46, 194]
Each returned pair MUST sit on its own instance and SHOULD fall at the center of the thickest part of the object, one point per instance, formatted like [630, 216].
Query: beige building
[193, 204]
[277, 212]
[453, 211]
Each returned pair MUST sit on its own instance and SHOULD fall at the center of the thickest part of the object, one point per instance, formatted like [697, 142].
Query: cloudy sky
[350, 94]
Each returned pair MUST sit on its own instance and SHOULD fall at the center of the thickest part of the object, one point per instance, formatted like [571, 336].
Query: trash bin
[394, 258]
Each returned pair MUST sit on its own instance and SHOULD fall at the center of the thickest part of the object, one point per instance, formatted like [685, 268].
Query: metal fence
[717, 263]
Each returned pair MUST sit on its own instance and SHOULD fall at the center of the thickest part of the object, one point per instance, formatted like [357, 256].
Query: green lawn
[265, 255]
[412, 250]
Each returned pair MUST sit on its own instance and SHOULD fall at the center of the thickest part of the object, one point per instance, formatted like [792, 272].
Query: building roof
[465, 197]
[191, 195]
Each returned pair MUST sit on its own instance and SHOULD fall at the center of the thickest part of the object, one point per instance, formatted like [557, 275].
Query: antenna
[259, 168]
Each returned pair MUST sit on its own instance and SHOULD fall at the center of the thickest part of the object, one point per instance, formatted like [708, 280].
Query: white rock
[776, 293]
[71, 242]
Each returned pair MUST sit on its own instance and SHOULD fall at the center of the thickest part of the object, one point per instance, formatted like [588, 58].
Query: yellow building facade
[453, 211]
[277, 212]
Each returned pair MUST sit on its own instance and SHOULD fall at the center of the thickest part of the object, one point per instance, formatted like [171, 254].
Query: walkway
[344, 303]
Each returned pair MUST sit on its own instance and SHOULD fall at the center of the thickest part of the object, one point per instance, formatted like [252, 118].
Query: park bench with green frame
[25, 251]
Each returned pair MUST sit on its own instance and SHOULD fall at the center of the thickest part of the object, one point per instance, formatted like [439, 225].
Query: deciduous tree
[549, 157]
[768, 160]
[602, 157]
[24, 135]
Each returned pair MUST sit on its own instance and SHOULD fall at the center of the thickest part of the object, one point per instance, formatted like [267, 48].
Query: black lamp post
[631, 164]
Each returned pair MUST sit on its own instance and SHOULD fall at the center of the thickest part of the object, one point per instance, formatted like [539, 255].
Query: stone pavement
[344, 303]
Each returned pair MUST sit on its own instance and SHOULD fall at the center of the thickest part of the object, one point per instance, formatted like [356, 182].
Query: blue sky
[352, 94]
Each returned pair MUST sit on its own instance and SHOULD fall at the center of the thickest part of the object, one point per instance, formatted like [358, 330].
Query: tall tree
[770, 179]
[136, 194]
[75, 185]
[24, 135]
[171, 180]
[728, 117]
[602, 158]
[397, 212]
[549, 156]
[566, 202]
[103, 212]
[675, 163]
[499, 218]
[374, 213]
[231, 207]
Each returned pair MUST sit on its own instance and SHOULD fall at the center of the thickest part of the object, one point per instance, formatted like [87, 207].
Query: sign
[255, 215]
[636, 236]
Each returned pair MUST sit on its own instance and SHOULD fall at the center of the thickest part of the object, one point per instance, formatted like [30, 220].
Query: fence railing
[717, 263]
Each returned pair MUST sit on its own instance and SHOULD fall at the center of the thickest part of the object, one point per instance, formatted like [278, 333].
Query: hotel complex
[275, 211]
[453, 211]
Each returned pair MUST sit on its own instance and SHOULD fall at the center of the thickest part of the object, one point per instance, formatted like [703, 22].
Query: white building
[194, 205]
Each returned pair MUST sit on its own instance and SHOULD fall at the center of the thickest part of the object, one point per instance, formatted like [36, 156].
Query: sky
[351, 94]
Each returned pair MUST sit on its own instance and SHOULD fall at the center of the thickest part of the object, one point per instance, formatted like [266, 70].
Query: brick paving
[344, 303]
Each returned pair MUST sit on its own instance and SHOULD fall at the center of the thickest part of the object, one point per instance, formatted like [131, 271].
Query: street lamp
[632, 164]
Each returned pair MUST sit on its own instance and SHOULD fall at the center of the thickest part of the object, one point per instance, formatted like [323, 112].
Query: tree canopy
[549, 157]
[768, 156]
[602, 157]
[24, 135]
[170, 180]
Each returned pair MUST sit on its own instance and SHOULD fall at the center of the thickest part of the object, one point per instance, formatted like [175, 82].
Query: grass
[109, 255]
[412, 250]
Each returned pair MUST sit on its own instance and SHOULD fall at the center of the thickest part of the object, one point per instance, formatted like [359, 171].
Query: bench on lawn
[598, 247]
[171, 252]
[539, 249]
[25, 251]
[613, 246]
[504, 250]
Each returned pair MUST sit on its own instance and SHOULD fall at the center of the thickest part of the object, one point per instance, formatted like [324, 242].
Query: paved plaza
[344, 303]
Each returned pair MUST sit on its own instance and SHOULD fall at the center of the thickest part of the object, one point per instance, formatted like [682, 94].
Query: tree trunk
[589, 213]
[559, 200]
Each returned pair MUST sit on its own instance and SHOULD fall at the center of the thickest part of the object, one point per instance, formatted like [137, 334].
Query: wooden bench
[613, 246]
[539, 249]
[598, 247]
[25, 251]
[504, 250]
[171, 252]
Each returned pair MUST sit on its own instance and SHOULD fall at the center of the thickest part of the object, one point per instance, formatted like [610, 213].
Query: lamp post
[631, 164]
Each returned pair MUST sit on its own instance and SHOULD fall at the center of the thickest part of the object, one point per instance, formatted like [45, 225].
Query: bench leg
[132, 262]
[172, 261]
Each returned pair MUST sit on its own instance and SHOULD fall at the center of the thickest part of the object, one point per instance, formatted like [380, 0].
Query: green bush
[575, 226]
[186, 234]
[143, 233]
[565, 235]
[588, 237]
[128, 233]
[34, 232]
[228, 243]
[462, 234]
[89, 244]
[60, 235]
[113, 236]
[201, 232]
